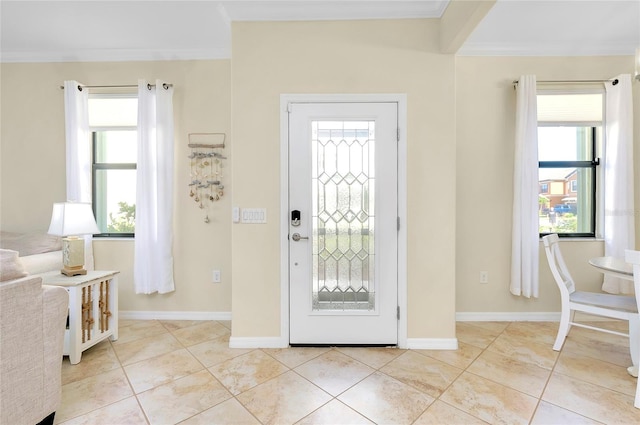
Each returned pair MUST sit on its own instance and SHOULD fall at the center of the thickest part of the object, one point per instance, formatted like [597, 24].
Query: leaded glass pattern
[343, 215]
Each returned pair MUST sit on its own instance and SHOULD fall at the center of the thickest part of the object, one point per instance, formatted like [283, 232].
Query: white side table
[93, 309]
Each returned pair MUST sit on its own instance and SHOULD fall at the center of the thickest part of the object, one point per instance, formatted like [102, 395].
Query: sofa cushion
[30, 243]
[10, 265]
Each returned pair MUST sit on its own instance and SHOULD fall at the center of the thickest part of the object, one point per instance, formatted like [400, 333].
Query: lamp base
[73, 271]
[73, 256]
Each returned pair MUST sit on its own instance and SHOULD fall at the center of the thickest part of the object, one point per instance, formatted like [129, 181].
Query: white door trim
[285, 100]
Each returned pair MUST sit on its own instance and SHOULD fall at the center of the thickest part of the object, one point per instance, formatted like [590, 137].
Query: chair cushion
[617, 302]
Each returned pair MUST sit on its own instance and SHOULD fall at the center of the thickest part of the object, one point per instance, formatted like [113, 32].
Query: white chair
[633, 257]
[614, 306]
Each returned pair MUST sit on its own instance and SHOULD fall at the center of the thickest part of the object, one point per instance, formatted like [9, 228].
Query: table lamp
[72, 219]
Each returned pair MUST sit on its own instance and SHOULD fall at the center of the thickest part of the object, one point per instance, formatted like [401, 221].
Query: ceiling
[116, 30]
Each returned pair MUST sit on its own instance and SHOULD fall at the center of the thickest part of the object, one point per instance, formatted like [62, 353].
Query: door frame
[401, 101]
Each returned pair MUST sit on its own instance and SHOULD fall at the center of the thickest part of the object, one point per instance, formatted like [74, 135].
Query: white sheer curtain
[153, 265]
[525, 236]
[78, 152]
[619, 230]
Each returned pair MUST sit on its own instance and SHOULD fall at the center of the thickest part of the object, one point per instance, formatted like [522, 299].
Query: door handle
[296, 237]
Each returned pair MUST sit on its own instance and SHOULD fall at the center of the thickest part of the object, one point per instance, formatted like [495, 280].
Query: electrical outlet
[216, 276]
[484, 277]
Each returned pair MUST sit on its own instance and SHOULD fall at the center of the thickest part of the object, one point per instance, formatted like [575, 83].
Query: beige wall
[33, 169]
[485, 114]
[344, 57]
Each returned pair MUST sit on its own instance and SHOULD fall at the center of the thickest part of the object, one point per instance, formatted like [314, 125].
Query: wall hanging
[207, 162]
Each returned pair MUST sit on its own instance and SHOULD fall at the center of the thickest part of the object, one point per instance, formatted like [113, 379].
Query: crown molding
[115, 55]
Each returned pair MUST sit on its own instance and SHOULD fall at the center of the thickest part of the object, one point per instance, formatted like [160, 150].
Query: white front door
[343, 231]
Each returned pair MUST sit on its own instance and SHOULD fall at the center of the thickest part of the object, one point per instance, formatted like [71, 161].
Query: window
[113, 123]
[569, 139]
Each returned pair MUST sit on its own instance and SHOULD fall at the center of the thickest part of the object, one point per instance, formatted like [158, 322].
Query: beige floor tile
[376, 357]
[124, 412]
[493, 326]
[225, 323]
[334, 413]
[521, 376]
[215, 351]
[428, 375]
[474, 335]
[173, 325]
[547, 414]
[202, 332]
[592, 401]
[139, 329]
[96, 360]
[460, 358]
[334, 372]
[229, 412]
[146, 348]
[599, 346]
[156, 371]
[539, 332]
[95, 392]
[597, 372]
[246, 371]
[440, 413]
[385, 400]
[541, 355]
[491, 402]
[283, 400]
[183, 398]
[295, 356]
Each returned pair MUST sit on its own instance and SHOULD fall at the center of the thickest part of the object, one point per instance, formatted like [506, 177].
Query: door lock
[296, 237]
[295, 218]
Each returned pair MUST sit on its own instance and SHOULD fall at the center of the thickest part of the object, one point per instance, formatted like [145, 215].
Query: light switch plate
[253, 215]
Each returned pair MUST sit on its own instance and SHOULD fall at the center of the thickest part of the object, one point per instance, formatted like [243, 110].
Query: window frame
[100, 166]
[598, 149]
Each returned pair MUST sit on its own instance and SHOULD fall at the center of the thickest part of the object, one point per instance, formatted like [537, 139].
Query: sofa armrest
[32, 327]
[54, 320]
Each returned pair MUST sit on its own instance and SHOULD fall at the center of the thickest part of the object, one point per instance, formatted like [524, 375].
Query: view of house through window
[113, 123]
[569, 139]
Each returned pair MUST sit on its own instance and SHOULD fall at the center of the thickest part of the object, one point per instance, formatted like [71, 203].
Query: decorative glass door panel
[343, 215]
[343, 223]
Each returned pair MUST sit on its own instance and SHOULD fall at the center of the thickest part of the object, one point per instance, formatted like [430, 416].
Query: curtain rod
[614, 81]
[121, 86]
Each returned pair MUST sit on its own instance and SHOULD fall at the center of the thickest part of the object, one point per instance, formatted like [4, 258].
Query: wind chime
[206, 172]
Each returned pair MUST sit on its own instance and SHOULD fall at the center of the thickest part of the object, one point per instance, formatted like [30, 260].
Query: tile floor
[170, 372]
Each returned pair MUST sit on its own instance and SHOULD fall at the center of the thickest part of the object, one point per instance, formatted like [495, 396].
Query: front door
[343, 215]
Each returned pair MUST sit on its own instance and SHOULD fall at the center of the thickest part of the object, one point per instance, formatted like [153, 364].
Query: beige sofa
[32, 326]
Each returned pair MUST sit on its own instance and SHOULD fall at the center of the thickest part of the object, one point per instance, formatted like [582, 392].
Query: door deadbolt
[295, 218]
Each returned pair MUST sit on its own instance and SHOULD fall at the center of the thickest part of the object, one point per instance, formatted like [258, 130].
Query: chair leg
[634, 341]
[563, 329]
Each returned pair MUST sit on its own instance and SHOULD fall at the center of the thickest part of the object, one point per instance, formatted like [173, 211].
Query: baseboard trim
[432, 343]
[508, 317]
[257, 342]
[175, 315]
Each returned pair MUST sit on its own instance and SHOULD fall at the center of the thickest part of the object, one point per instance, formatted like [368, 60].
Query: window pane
[566, 200]
[115, 200]
[116, 147]
[564, 144]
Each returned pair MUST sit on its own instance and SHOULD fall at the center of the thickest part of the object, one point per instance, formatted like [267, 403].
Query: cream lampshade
[71, 219]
